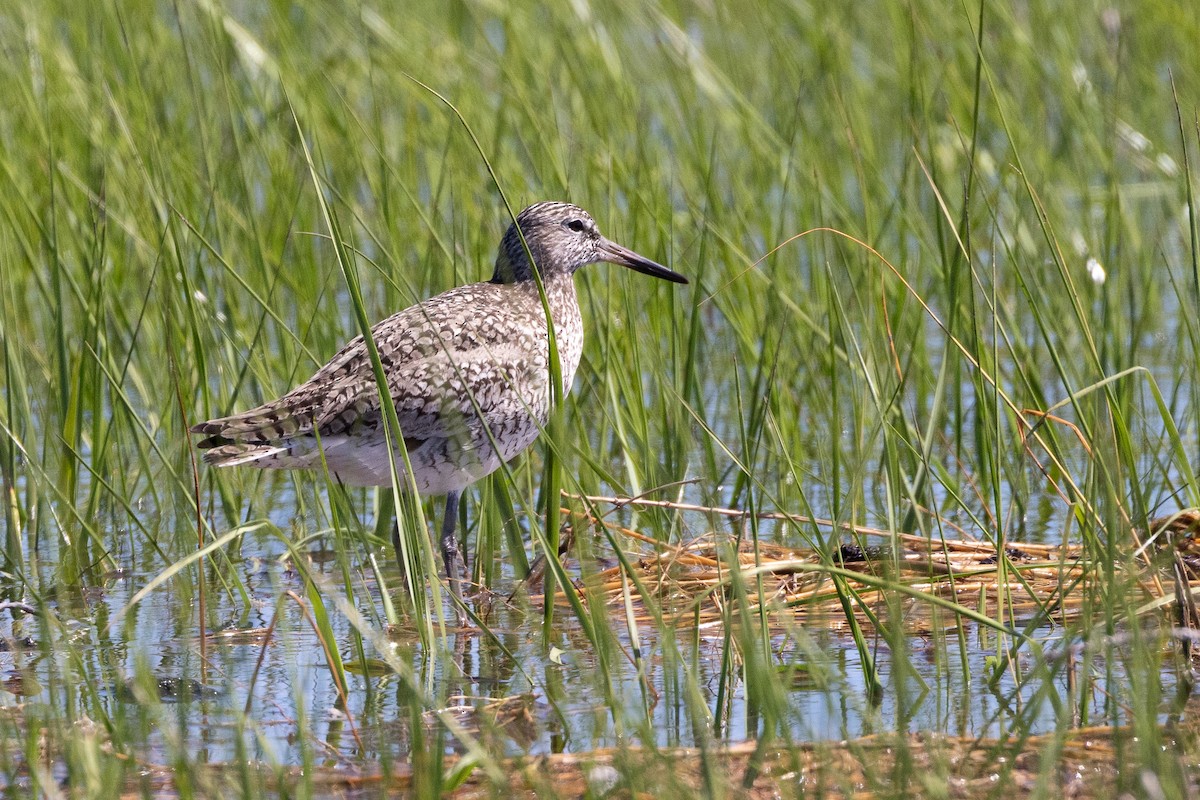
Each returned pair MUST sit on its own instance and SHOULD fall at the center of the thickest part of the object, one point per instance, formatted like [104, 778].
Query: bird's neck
[568, 323]
[560, 295]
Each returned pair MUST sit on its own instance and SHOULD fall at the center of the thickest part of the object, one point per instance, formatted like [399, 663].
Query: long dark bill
[614, 253]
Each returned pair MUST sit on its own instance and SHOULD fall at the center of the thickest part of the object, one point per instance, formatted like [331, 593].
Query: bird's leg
[450, 556]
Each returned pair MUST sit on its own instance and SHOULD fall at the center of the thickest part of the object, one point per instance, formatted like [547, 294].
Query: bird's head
[562, 238]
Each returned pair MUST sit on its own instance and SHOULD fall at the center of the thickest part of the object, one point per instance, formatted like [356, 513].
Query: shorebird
[468, 371]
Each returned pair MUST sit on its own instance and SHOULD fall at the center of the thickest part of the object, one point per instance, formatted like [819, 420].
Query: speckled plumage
[468, 371]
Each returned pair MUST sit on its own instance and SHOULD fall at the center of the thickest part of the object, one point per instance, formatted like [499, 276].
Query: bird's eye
[576, 225]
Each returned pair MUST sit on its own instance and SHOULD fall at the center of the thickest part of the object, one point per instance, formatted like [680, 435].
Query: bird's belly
[439, 465]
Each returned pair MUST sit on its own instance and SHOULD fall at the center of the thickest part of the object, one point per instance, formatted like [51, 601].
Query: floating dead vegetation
[1082, 763]
[932, 583]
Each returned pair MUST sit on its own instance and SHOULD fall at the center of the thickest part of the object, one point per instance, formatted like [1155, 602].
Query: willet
[468, 371]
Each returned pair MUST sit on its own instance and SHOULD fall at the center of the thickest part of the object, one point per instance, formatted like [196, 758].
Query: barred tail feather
[269, 423]
[261, 437]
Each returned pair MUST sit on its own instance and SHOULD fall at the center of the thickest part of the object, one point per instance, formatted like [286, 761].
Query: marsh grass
[894, 219]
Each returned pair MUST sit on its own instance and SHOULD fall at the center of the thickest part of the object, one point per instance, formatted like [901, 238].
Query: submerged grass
[943, 268]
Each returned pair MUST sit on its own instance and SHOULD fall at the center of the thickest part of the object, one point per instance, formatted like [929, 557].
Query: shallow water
[555, 703]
